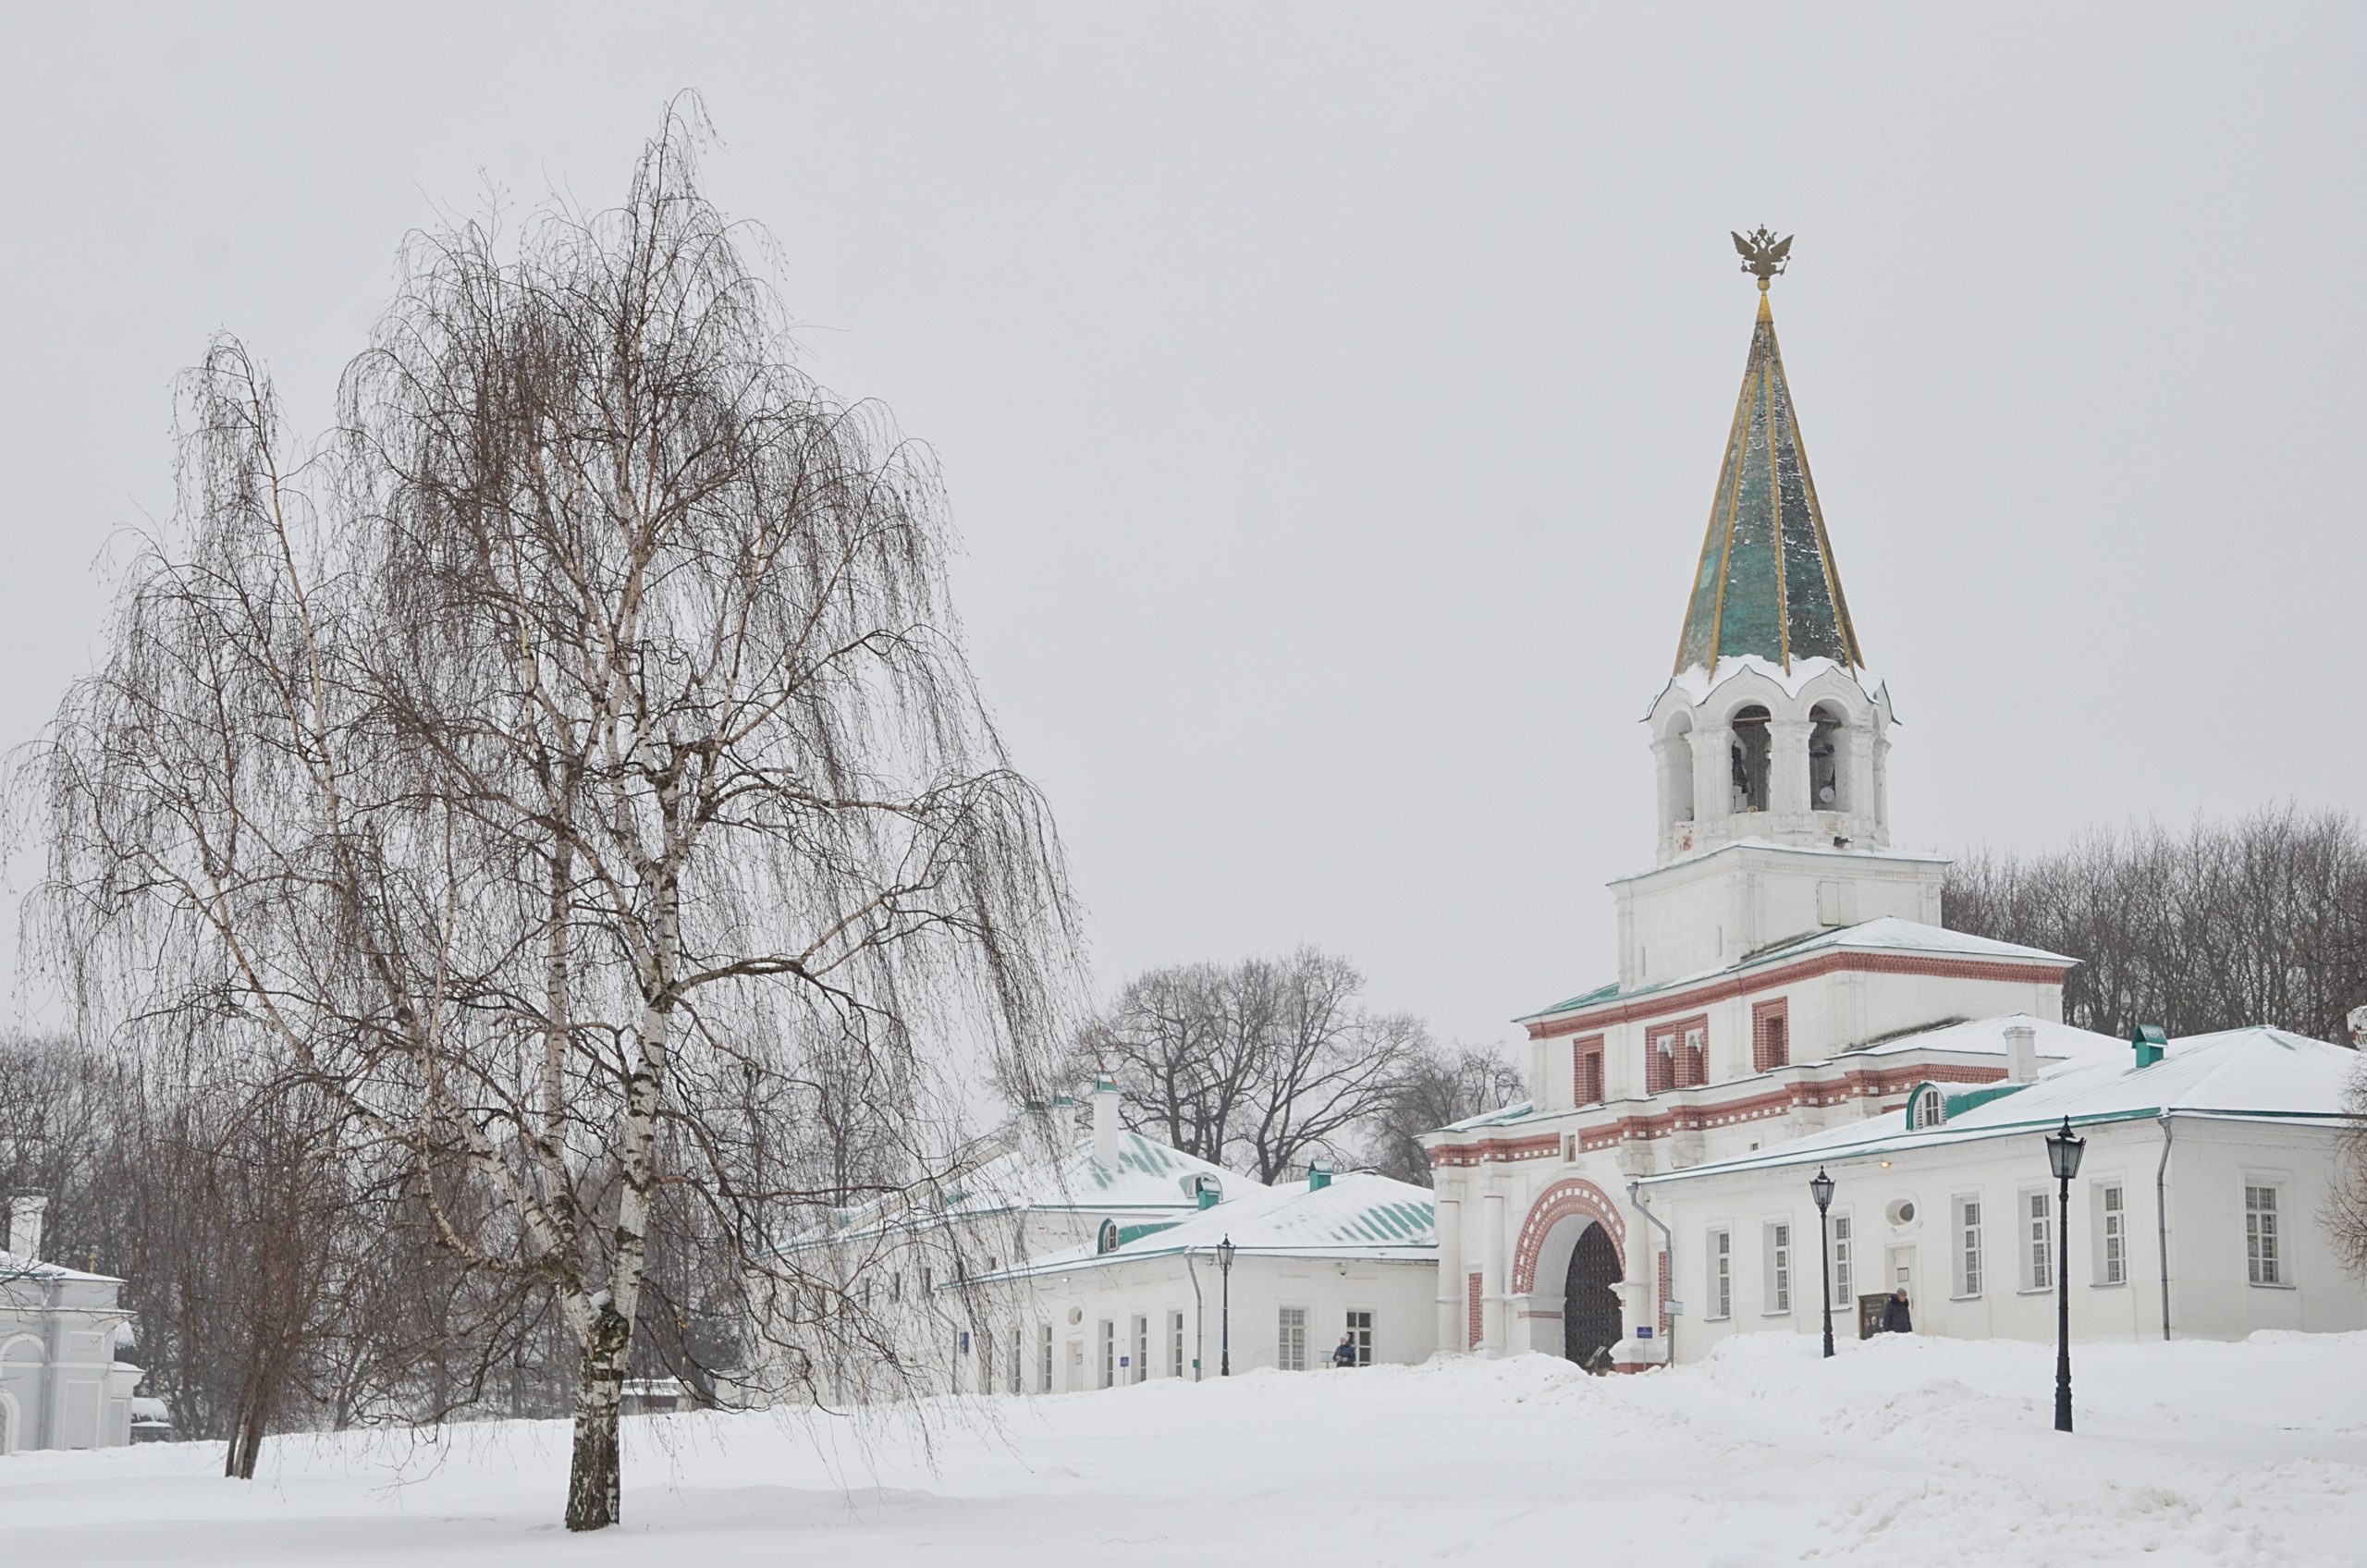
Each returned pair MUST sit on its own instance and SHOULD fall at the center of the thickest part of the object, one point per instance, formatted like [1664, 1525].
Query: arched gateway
[1574, 1239]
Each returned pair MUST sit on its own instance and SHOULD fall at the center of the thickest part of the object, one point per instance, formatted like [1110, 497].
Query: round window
[1901, 1211]
[1076, 1315]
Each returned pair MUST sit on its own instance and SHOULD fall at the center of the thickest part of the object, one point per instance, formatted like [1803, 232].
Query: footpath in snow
[1902, 1452]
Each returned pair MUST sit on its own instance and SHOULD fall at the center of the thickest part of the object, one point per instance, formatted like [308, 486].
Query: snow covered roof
[2255, 1072]
[2062, 1041]
[15, 1267]
[1888, 934]
[1147, 1177]
[1358, 1216]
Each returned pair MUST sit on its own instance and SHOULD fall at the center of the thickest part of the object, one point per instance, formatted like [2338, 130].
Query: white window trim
[2279, 1183]
[1769, 1286]
[1961, 1287]
[1843, 1254]
[2097, 1248]
[1710, 1251]
[2024, 1272]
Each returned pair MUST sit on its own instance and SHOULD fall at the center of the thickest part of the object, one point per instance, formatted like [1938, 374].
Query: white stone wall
[1076, 1303]
[2211, 1295]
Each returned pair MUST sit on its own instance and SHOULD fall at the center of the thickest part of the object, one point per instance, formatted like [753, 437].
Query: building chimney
[1105, 1120]
[2148, 1041]
[1319, 1175]
[2021, 1053]
[24, 1223]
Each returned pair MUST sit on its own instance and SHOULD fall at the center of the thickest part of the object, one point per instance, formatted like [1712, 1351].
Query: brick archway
[1572, 1197]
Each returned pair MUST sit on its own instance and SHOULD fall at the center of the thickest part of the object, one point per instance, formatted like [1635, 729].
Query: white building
[2194, 1212]
[913, 1259]
[60, 1384]
[1781, 970]
[1312, 1262]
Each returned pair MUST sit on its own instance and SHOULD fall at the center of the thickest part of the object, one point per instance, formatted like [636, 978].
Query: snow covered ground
[1902, 1452]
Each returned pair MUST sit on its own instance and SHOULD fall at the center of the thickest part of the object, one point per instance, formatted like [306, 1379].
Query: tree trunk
[595, 1478]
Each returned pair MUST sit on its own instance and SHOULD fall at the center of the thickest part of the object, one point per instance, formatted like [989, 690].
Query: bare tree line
[2262, 920]
[1266, 1063]
[545, 836]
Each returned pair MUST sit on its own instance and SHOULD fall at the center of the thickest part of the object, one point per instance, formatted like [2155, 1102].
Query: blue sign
[1643, 1330]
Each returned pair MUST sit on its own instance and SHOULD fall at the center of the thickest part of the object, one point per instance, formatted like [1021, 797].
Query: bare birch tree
[552, 767]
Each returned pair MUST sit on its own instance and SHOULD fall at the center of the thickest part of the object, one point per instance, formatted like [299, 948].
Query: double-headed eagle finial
[1763, 255]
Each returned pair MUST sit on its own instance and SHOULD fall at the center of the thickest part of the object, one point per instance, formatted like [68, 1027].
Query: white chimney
[1105, 1120]
[24, 1224]
[2021, 1053]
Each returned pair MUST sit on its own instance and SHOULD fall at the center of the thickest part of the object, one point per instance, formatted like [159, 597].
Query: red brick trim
[1586, 1049]
[1684, 1071]
[1654, 1006]
[1770, 1035]
[1545, 1145]
[1571, 1196]
[1479, 1315]
[1722, 1113]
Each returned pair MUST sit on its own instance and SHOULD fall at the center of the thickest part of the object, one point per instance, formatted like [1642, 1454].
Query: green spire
[1767, 584]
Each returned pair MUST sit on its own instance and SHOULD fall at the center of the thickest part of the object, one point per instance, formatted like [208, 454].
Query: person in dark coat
[1895, 1317]
[1345, 1356]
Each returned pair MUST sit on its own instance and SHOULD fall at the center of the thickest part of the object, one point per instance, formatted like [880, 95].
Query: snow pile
[1902, 1452]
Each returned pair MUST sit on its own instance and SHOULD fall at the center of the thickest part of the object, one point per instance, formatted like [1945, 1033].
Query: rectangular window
[1779, 1267]
[1770, 1035]
[1142, 1349]
[1360, 1336]
[1721, 1273]
[2112, 1235]
[1967, 1246]
[1586, 1071]
[2260, 1254]
[1845, 1273]
[1018, 1373]
[1044, 1358]
[1676, 1055]
[2038, 1241]
[1108, 1353]
[1290, 1353]
[985, 1362]
[1175, 1367]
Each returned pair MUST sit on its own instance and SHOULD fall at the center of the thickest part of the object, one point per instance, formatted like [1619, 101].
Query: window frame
[1968, 1255]
[1587, 1059]
[1777, 1240]
[2034, 1221]
[1176, 1360]
[1360, 1335]
[1844, 1269]
[1718, 1246]
[1283, 1328]
[2110, 1222]
[1665, 1043]
[1770, 1035]
[1108, 1336]
[2266, 1267]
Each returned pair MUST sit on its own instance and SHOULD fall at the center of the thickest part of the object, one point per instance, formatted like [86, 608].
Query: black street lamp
[1821, 1189]
[1224, 1315]
[2063, 1152]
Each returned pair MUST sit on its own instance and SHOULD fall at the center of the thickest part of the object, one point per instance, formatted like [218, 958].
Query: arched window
[1928, 1107]
[1108, 1239]
[1828, 772]
[1750, 755]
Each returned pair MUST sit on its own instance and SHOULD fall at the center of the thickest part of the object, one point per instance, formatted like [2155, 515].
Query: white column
[1494, 1268]
[1449, 1223]
[1714, 773]
[1787, 772]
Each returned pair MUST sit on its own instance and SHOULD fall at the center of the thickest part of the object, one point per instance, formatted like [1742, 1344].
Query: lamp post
[1821, 1189]
[1224, 1311]
[2063, 1152]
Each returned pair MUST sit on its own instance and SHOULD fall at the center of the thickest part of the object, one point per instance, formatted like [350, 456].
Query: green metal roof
[1767, 585]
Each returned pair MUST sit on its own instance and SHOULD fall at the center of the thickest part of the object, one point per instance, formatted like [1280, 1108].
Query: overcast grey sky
[1330, 398]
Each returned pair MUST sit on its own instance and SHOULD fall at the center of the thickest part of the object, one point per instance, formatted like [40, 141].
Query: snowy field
[1902, 1452]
